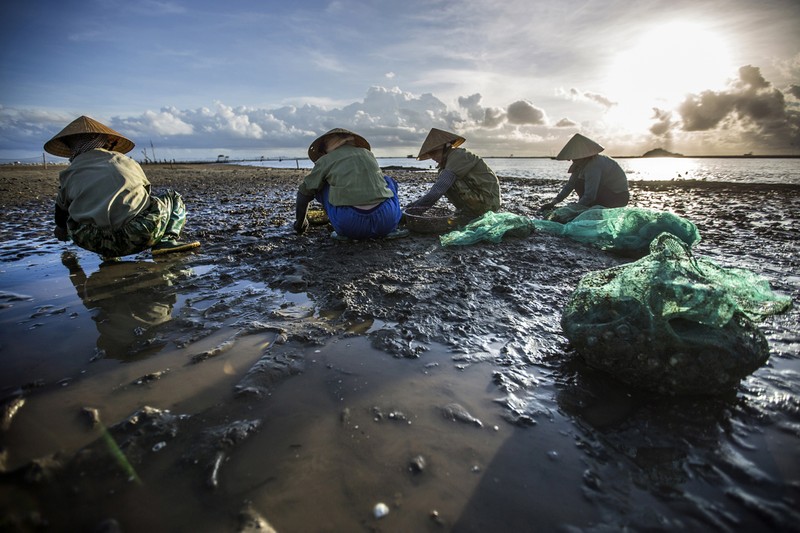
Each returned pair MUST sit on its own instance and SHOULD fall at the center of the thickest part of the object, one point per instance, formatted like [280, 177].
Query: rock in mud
[417, 464]
[457, 413]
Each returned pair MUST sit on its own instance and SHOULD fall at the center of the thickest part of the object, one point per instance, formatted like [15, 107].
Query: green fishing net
[671, 322]
[566, 212]
[622, 229]
[491, 227]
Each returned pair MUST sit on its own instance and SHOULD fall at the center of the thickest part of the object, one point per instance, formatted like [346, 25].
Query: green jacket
[476, 189]
[103, 188]
[353, 174]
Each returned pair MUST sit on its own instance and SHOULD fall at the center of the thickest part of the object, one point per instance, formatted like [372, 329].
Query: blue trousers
[359, 224]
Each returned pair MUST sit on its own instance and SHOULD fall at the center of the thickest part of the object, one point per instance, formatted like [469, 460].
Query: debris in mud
[393, 414]
[210, 448]
[457, 413]
[251, 521]
[9, 410]
[417, 464]
[91, 415]
[213, 478]
[150, 377]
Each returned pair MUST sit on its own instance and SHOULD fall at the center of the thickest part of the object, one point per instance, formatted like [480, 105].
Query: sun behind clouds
[663, 65]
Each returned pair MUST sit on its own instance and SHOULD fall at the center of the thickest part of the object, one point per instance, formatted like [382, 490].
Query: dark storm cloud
[794, 90]
[750, 105]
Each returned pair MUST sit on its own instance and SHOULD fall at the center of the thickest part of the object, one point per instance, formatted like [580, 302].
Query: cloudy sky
[250, 78]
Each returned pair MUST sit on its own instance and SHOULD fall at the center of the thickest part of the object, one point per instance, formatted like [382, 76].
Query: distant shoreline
[254, 160]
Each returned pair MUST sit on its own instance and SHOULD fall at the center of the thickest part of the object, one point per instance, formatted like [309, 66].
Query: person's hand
[300, 226]
[547, 207]
[61, 233]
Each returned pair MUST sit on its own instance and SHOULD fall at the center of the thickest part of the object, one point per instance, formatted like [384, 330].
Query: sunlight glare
[667, 63]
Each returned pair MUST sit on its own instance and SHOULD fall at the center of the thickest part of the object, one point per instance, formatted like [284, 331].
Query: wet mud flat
[300, 381]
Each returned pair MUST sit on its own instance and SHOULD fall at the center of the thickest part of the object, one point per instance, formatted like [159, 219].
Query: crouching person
[104, 202]
[360, 201]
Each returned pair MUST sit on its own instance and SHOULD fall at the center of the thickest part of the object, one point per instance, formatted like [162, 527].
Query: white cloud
[524, 112]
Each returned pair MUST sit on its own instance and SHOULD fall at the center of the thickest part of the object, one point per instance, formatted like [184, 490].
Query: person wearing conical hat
[463, 178]
[360, 201]
[104, 203]
[596, 179]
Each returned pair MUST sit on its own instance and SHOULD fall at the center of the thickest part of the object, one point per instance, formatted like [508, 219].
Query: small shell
[380, 510]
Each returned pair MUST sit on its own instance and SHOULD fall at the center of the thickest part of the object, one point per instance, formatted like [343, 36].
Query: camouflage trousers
[165, 216]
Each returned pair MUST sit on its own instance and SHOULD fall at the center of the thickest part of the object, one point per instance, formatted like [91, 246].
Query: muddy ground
[482, 321]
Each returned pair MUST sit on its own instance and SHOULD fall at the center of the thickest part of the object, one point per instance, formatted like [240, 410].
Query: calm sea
[749, 170]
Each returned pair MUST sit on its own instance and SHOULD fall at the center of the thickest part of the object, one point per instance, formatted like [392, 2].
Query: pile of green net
[492, 227]
[671, 322]
[622, 229]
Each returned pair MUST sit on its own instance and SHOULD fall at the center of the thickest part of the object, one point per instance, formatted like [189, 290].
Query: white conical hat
[315, 151]
[81, 125]
[436, 139]
[579, 147]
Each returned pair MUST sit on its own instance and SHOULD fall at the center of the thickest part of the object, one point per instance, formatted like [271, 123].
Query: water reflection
[661, 169]
[668, 447]
[127, 299]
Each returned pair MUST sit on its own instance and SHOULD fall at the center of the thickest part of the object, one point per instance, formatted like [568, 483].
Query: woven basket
[432, 220]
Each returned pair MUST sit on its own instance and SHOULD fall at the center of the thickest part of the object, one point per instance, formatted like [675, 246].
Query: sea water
[728, 169]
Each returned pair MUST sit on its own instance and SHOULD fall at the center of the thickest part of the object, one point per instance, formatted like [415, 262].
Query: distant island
[660, 152]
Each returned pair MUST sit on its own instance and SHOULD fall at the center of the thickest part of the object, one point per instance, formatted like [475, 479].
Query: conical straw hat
[84, 124]
[315, 151]
[579, 147]
[436, 139]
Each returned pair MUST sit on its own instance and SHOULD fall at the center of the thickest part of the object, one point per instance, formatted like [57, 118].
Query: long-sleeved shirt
[102, 187]
[599, 173]
[467, 181]
[354, 177]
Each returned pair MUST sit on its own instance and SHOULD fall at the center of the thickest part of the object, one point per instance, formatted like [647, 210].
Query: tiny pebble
[380, 510]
